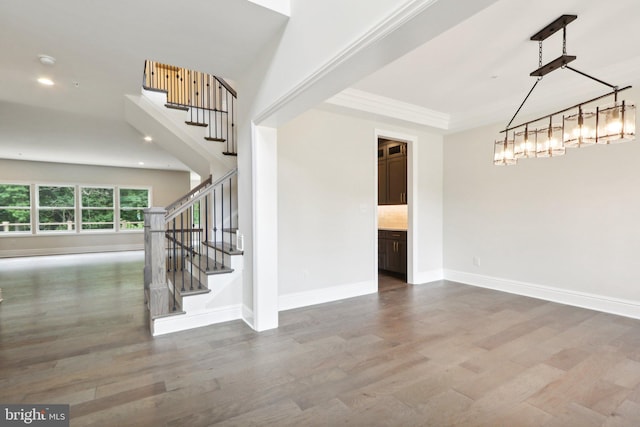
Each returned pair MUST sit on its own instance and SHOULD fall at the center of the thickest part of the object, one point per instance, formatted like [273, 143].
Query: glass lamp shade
[503, 152]
[524, 144]
[556, 143]
[498, 152]
[542, 143]
[579, 129]
[616, 123]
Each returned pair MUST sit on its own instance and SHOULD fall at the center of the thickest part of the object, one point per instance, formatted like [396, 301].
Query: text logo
[34, 415]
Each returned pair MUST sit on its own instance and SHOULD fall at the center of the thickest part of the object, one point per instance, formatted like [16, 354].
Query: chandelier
[580, 125]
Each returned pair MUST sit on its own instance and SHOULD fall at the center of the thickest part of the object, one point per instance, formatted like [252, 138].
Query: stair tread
[198, 288]
[228, 153]
[177, 107]
[213, 266]
[204, 125]
[209, 138]
[170, 311]
[225, 247]
[230, 230]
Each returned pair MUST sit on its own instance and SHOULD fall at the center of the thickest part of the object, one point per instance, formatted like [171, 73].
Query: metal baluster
[182, 248]
[200, 251]
[191, 246]
[226, 94]
[175, 264]
[206, 225]
[215, 243]
[209, 101]
[222, 218]
[230, 214]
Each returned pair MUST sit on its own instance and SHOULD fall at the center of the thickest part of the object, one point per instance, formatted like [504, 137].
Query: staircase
[209, 101]
[193, 249]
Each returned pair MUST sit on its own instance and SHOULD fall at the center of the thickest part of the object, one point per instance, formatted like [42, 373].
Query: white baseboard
[423, 277]
[247, 317]
[182, 322]
[320, 296]
[621, 307]
[13, 253]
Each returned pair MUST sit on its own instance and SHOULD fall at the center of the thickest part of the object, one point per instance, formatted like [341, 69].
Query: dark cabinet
[392, 173]
[392, 251]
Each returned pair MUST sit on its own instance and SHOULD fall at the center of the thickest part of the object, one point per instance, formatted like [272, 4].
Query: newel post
[155, 266]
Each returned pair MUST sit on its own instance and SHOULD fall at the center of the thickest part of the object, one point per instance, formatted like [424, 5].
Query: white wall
[329, 45]
[564, 229]
[166, 186]
[327, 193]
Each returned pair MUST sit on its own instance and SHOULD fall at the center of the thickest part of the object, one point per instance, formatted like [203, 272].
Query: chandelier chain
[564, 40]
[540, 54]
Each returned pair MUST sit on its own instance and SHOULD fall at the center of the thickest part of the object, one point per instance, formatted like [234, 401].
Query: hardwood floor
[390, 281]
[74, 331]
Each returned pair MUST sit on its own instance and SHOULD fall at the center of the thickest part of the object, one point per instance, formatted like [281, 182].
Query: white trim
[412, 198]
[264, 149]
[11, 253]
[621, 307]
[424, 277]
[320, 296]
[183, 322]
[247, 316]
[393, 22]
[389, 107]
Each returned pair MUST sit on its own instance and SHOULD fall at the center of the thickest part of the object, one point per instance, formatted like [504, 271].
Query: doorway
[392, 213]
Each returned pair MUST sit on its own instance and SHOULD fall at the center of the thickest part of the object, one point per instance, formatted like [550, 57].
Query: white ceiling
[475, 74]
[102, 45]
[478, 71]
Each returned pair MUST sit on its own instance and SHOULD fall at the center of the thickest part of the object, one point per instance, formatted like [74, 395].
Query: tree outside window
[15, 208]
[97, 208]
[56, 208]
[133, 201]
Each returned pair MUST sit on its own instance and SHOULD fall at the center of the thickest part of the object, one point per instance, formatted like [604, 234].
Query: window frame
[82, 208]
[35, 209]
[29, 208]
[120, 208]
[39, 208]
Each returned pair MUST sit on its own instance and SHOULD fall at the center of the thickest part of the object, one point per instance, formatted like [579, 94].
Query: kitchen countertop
[391, 229]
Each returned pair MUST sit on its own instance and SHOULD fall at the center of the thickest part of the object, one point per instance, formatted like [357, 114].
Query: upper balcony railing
[209, 100]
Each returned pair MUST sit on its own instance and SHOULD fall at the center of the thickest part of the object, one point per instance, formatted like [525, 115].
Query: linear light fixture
[580, 125]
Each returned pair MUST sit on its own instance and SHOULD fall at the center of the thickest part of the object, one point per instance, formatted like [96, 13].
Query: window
[15, 208]
[56, 208]
[97, 208]
[133, 201]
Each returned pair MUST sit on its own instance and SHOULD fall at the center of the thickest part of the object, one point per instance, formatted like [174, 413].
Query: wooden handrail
[189, 195]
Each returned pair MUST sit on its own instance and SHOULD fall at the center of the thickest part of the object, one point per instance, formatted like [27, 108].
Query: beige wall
[566, 225]
[327, 202]
[166, 186]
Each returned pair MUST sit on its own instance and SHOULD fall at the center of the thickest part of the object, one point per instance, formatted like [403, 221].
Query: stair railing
[187, 241]
[208, 99]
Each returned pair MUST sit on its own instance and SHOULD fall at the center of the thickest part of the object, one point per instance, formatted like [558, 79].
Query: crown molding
[404, 14]
[389, 107]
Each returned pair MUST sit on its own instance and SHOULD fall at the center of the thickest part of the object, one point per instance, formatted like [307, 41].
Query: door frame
[412, 226]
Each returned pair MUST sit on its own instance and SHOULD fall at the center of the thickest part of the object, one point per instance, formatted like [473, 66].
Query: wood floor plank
[442, 354]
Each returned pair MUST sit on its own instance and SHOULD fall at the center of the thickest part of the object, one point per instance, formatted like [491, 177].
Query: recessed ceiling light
[46, 59]
[45, 81]
[148, 138]
[141, 163]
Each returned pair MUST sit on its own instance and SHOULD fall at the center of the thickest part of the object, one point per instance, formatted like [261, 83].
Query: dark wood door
[397, 180]
[382, 182]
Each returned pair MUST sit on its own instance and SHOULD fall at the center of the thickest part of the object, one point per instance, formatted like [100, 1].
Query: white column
[265, 227]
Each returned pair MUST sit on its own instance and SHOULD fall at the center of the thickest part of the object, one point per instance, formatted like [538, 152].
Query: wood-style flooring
[444, 354]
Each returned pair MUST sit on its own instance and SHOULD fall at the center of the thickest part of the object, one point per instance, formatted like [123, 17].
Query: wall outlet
[476, 261]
